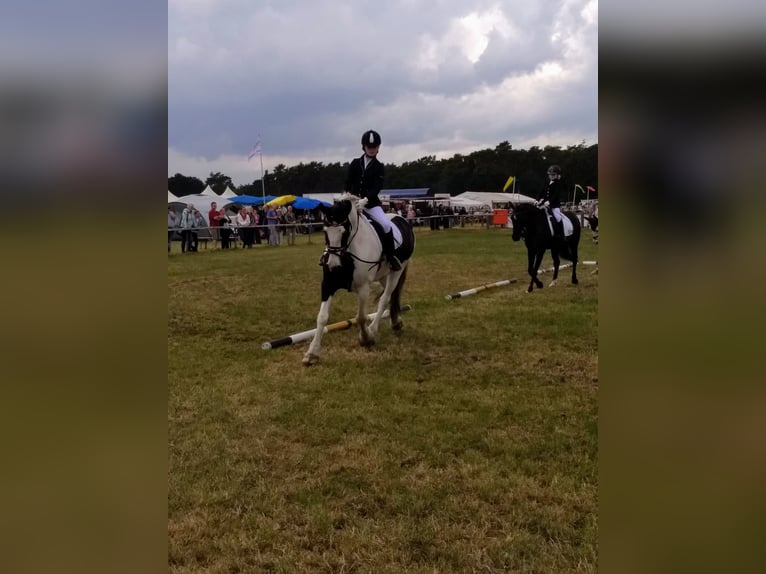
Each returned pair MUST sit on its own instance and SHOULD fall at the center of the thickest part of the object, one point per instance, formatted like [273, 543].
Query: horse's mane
[525, 208]
[355, 201]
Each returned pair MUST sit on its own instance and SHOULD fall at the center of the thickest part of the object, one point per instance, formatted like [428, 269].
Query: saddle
[402, 249]
[568, 227]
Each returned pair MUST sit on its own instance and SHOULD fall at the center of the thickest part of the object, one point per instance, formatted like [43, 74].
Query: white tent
[458, 201]
[229, 192]
[492, 199]
[208, 191]
[171, 197]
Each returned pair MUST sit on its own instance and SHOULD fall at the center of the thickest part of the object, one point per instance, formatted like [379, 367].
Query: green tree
[180, 185]
[218, 182]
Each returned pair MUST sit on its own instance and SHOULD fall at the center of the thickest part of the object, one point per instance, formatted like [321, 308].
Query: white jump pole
[306, 335]
[475, 290]
[505, 282]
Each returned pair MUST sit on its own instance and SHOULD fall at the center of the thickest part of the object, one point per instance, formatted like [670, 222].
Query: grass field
[465, 443]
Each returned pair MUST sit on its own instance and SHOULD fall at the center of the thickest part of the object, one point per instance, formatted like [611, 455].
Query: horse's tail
[396, 295]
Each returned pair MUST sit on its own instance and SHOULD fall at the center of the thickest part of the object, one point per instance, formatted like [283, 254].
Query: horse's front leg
[312, 355]
[534, 264]
[556, 263]
[574, 265]
[531, 270]
[385, 297]
[366, 335]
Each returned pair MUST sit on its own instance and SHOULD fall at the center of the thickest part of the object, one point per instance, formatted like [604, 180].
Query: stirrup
[394, 262]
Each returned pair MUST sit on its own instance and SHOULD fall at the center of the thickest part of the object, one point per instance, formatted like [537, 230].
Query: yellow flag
[507, 183]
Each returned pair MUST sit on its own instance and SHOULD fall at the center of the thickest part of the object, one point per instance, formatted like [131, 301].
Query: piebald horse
[353, 259]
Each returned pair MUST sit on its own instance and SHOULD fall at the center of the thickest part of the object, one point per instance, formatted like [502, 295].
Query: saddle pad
[379, 230]
[568, 227]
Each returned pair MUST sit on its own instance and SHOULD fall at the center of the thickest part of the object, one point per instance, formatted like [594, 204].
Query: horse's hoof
[552, 283]
[529, 290]
[367, 342]
[309, 360]
[575, 281]
[397, 326]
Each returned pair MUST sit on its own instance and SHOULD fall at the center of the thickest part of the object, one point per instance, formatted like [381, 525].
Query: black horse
[531, 223]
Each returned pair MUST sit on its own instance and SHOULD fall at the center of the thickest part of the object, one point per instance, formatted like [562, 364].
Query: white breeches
[377, 214]
[557, 214]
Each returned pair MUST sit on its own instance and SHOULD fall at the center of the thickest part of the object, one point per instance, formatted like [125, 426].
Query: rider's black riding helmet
[554, 169]
[371, 138]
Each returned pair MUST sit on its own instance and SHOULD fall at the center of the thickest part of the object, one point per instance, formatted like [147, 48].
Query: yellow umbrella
[281, 200]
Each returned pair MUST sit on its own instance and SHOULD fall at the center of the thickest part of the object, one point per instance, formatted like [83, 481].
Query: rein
[346, 240]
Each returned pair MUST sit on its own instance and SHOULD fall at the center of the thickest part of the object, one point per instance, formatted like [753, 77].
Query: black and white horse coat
[353, 260]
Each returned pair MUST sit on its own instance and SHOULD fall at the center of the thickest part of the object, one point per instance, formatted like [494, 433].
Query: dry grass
[467, 443]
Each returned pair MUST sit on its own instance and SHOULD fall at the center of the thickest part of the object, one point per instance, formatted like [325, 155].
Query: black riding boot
[558, 230]
[388, 251]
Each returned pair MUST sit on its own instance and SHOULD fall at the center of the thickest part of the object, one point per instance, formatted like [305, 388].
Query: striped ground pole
[475, 290]
[306, 335]
[504, 282]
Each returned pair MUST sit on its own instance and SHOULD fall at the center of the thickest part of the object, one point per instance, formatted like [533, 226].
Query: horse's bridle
[345, 241]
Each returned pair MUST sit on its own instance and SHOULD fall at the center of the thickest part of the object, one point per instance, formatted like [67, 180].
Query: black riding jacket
[553, 192]
[365, 182]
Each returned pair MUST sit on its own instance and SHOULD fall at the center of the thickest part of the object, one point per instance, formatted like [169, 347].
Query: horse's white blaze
[334, 238]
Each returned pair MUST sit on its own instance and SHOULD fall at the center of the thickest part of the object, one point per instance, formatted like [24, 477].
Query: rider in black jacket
[365, 179]
[550, 197]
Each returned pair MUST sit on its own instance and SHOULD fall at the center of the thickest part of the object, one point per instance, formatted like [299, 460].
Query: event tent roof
[465, 202]
[229, 192]
[493, 198]
[171, 197]
[411, 192]
[208, 191]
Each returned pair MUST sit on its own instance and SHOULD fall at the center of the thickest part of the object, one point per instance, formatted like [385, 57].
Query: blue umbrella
[252, 199]
[306, 203]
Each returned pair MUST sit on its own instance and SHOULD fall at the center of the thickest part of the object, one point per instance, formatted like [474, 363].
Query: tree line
[483, 170]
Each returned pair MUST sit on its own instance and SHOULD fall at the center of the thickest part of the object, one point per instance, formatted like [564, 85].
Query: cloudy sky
[434, 77]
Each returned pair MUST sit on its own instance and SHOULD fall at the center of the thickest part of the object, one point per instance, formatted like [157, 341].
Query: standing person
[290, 221]
[214, 217]
[272, 219]
[243, 221]
[365, 179]
[257, 221]
[199, 223]
[225, 230]
[550, 197]
[172, 218]
[187, 222]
